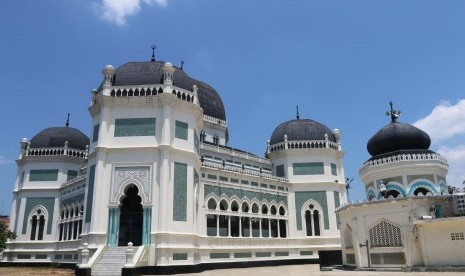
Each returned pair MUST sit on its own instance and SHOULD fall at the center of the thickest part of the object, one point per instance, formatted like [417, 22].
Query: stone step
[111, 262]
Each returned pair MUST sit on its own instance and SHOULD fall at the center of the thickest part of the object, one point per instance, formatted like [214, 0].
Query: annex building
[409, 219]
[157, 174]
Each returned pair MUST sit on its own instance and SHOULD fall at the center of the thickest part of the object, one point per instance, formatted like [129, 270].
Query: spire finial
[67, 120]
[393, 113]
[297, 115]
[182, 64]
[153, 52]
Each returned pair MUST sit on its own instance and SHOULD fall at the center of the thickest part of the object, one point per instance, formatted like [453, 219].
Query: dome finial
[297, 115]
[182, 64]
[393, 113]
[153, 52]
[67, 120]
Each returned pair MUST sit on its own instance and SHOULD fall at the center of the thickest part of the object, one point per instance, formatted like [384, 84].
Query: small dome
[142, 73]
[398, 136]
[301, 129]
[57, 136]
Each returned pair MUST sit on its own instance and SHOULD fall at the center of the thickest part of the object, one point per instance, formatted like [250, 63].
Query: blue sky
[340, 61]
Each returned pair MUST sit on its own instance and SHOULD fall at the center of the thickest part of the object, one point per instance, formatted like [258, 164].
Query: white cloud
[116, 11]
[456, 158]
[445, 121]
[446, 127]
[4, 160]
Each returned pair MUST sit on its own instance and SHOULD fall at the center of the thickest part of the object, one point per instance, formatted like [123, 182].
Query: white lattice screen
[385, 234]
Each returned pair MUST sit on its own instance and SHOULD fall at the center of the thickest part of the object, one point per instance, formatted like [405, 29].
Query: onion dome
[143, 73]
[301, 129]
[57, 136]
[398, 136]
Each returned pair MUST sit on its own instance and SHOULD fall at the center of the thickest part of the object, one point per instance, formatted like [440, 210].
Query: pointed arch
[312, 218]
[385, 234]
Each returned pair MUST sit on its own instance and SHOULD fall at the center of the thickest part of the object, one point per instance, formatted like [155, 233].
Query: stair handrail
[141, 256]
[97, 255]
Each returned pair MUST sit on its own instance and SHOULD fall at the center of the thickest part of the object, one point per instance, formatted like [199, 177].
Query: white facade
[158, 173]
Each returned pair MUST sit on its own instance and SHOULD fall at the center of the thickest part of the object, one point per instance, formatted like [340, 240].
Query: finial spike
[182, 64]
[393, 113]
[153, 52]
[67, 120]
[297, 115]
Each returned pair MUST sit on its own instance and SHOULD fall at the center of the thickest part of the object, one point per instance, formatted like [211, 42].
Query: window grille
[385, 234]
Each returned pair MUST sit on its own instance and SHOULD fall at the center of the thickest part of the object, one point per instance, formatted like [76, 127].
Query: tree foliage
[5, 234]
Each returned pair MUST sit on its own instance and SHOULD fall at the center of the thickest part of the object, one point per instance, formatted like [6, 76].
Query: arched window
[40, 235]
[273, 210]
[33, 228]
[234, 206]
[245, 207]
[70, 224]
[312, 221]
[211, 204]
[223, 205]
[255, 208]
[38, 218]
[264, 209]
[385, 234]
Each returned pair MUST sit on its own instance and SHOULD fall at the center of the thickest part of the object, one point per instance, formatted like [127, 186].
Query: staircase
[111, 262]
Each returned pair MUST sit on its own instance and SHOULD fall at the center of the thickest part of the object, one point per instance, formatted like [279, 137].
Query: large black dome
[57, 136]
[151, 72]
[398, 136]
[301, 129]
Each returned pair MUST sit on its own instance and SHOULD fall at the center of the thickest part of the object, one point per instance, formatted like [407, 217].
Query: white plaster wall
[437, 247]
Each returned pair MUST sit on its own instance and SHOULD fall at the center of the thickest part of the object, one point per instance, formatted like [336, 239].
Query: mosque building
[409, 219]
[156, 186]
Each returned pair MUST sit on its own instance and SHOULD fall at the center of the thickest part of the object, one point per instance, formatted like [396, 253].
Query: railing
[143, 91]
[215, 120]
[74, 180]
[304, 144]
[245, 171]
[62, 151]
[403, 157]
[234, 153]
[141, 258]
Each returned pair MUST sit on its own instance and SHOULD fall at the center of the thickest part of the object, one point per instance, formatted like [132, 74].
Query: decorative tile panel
[180, 192]
[90, 194]
[318, 196]
[43, 175]
[31, 203]
[135, 127]
[140, 176]
[308, 168]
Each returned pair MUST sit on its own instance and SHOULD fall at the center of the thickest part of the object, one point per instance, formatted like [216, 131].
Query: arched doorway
[131, 218]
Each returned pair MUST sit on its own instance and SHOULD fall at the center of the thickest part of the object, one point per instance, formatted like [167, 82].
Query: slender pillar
[113, 222]
[146, 227]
